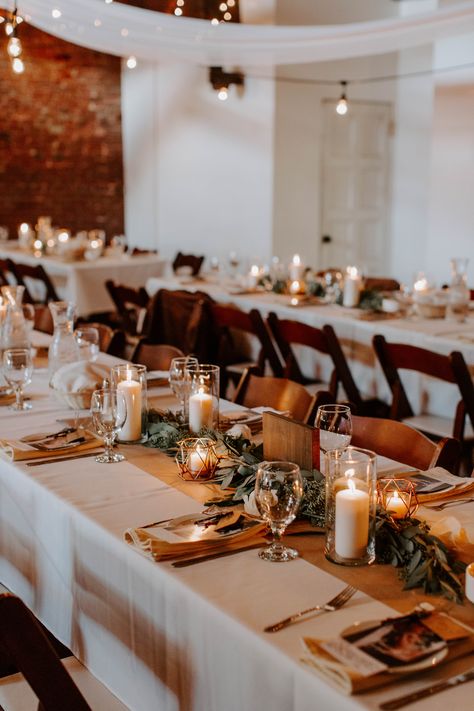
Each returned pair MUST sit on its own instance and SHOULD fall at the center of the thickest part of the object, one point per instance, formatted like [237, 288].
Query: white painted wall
[244, 175]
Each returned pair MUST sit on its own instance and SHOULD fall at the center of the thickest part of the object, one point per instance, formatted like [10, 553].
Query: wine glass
[179, 380]
[335, 427]
[278, 493]
[87, 339]
[17, 371]
[109, 412]
[29, 316]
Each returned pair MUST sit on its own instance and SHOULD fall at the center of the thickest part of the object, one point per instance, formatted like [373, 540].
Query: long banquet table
[355, 331]
[166, 638]
[83, 282]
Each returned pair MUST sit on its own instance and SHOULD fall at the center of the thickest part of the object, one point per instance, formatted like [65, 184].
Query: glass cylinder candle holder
[350, 506]
[196, 458]
[130, 379]
[398, 497]
[203, 403]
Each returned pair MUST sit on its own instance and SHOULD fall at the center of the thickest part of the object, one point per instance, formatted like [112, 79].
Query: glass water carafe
[63, 348]
[14, 329]
[458, 302]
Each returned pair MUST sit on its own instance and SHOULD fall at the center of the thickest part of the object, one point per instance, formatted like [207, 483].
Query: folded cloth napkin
[79, 376]
[18, 451]
[161, 550]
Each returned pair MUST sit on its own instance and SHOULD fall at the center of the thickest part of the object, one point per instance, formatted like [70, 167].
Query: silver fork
[334, 604]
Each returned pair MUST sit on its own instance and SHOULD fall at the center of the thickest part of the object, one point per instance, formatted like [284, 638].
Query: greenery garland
[423, 560]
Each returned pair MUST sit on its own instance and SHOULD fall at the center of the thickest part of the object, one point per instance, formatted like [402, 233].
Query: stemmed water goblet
[335, 427]
[109, 412]
[18, 371]
[278, 493]
[179, 379]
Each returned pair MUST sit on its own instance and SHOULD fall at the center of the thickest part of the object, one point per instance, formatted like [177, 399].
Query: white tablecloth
[427, 395]
[159, 637]
[84, 282]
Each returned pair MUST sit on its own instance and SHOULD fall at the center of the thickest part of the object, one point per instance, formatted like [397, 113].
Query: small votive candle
[397, 497]
[196, 458]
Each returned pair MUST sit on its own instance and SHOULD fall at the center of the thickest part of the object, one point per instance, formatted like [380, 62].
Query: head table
[355, 329]
[176, 639]
[83, 282]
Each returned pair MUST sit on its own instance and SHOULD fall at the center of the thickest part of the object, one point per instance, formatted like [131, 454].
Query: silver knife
[428, 691]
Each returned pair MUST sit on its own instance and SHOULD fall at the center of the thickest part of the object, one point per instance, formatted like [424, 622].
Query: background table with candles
[169, 638]
[83, 282]
[355, 333]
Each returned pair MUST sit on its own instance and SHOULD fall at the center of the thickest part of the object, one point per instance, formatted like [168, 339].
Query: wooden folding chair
[278, 393]
[288, 333]
[131, 304]
[405, 444]
[188, 260]
[38, 280]
[234, 329]
[44, 675]
[156, 356]
[5, 272]
[396, 357]
[372, 407]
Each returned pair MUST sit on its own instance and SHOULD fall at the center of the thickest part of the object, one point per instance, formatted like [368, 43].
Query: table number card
[287, 440]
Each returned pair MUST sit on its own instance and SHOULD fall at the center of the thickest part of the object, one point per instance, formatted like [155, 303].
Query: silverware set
[330, 606]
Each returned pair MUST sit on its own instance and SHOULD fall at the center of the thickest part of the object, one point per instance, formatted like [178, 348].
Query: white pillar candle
[253, 276]
[132, 395]
[470, 582]
[352, 522]
[352, 288]
[200, 411]
[395, 503]
[296, 269]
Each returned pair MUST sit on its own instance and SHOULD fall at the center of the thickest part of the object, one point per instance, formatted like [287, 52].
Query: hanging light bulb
[14, 47]
[342, 106]
[18, 65]
[9, 29]
[132, 62]
[223, 93]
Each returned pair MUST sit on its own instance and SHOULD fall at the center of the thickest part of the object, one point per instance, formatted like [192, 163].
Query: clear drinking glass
[335, 427]
[109, 412]
[29, 316]
[179, 379]
[278, 493]
[87, 339]
[18, 371]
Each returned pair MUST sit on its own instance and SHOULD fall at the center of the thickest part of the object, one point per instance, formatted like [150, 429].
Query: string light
[342, 107]
[56, 13]
[14, 46]
[132, 62]
[223, 94]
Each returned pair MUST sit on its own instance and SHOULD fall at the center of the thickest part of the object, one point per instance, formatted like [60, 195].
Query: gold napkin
[18, 451]
[351, 681]
[161, 550]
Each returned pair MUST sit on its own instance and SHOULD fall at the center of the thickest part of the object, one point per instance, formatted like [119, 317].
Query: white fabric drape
[124, 30]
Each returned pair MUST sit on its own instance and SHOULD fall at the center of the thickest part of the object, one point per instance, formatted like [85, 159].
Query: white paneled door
[355, 199]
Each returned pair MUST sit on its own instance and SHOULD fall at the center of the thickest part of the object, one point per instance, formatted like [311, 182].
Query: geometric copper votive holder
[197, 458]
[398, 497]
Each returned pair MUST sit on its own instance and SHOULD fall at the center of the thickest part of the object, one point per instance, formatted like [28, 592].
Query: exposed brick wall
[60, 136]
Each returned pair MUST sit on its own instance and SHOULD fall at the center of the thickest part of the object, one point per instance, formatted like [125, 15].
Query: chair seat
[438, 426]
[16, 694]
